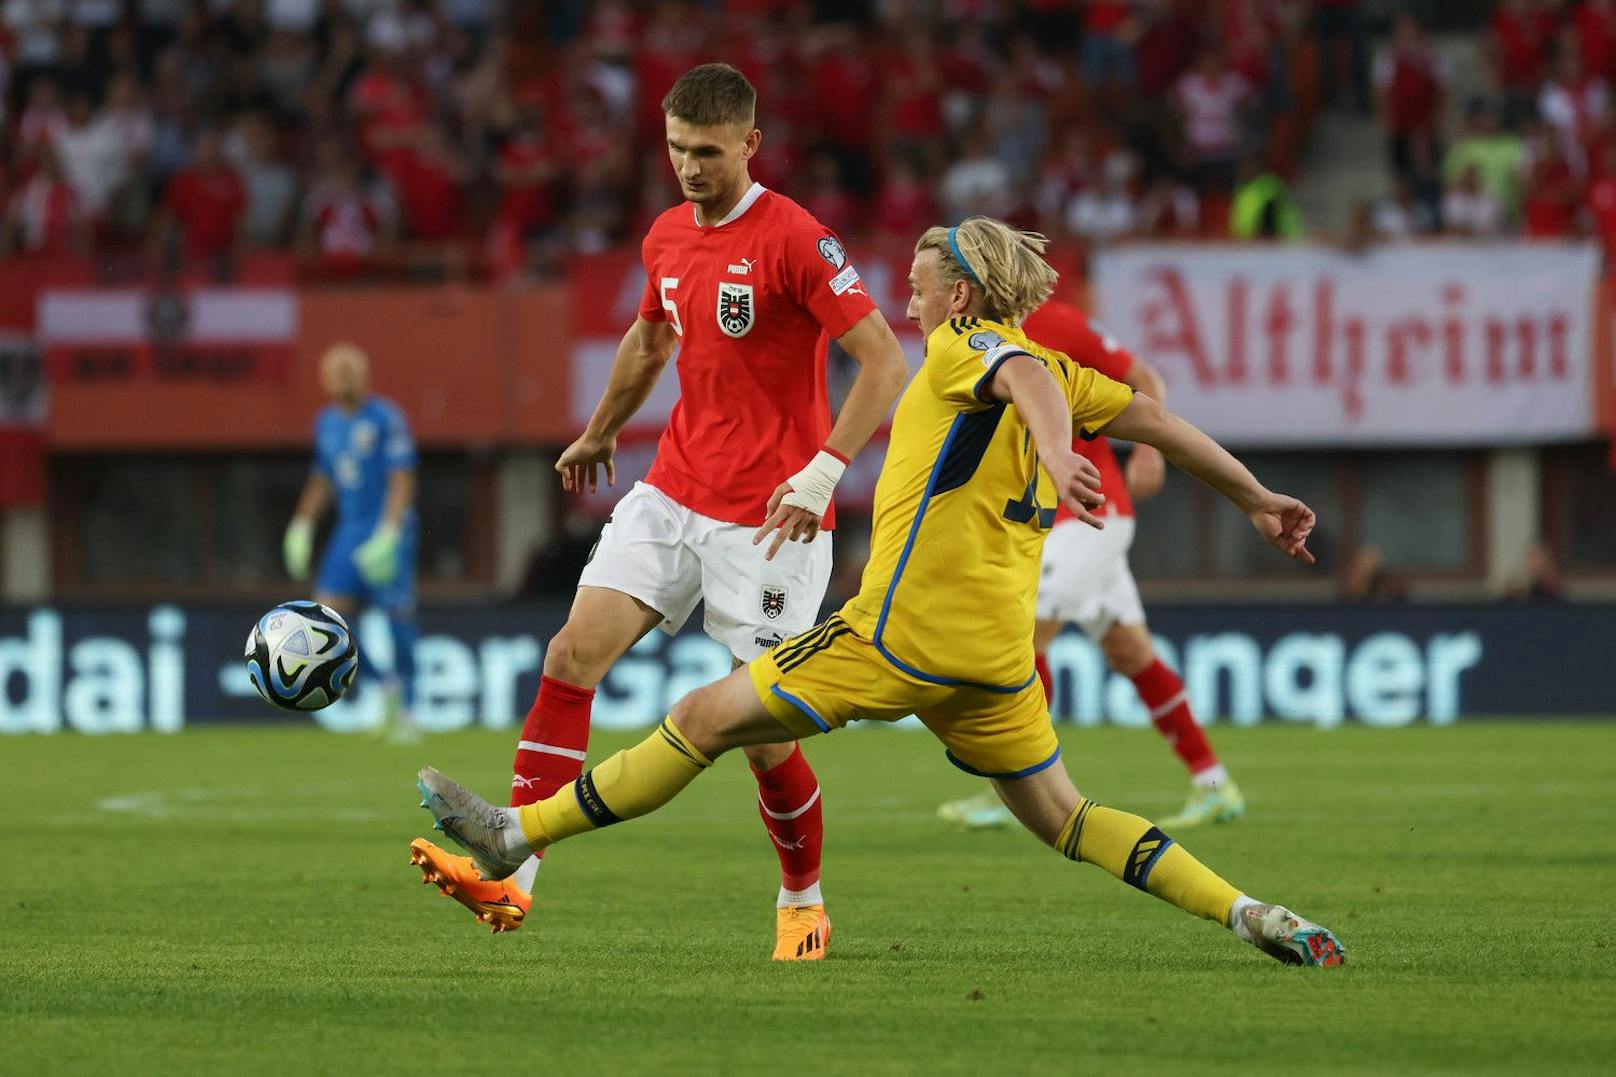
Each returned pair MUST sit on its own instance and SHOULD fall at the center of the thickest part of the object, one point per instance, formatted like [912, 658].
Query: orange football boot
[802, 933]
[500, 904]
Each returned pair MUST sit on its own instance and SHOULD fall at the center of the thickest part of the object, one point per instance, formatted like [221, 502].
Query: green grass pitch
[240, 902]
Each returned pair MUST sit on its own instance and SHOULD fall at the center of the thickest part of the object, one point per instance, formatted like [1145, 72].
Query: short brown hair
[711, 94]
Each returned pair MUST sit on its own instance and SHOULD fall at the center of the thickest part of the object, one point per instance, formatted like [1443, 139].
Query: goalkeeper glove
[377, 556]
[298, 547]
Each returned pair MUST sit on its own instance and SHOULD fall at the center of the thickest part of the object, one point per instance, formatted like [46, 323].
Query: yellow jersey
[961, 511]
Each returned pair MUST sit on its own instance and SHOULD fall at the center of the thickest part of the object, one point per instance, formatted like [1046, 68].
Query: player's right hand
[1077, 484]
[578, 463]
[297, 548]
[1286, 524]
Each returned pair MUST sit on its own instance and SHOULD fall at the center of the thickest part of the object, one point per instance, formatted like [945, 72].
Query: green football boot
[1221, 803]
[982, 812]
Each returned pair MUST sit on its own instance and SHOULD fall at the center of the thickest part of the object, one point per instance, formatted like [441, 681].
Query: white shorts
[656, 550]
[1085, 578]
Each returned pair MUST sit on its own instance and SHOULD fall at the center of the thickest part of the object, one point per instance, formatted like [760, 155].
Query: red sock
[555, 737]
[788, 801]
[1044, 678]
[1163, 693]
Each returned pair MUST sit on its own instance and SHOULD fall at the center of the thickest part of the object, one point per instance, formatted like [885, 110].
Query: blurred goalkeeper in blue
[365, 457]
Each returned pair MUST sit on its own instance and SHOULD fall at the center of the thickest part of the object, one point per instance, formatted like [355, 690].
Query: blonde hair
[1004, 263]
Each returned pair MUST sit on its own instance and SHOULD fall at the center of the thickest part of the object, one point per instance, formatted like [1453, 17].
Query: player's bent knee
[769, 756]
[575, 657]
[703, 721]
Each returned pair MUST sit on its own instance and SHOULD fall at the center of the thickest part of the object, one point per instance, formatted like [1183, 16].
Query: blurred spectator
[44, 215]
[1518, 44]
[1339, 26]
[1539, 578]
[1212, 100]
[92, 156]
[1367, 580]
[391, 111]
[129, 119]
[1410, 80]
[1469, 209]
[1169, 209]
[827, 197]
[1399, 215]
[1107, 210]
[977, 181]
[1263, 207]
[205, 204]
[1109, 31]
[527, 171]
[1600, 204]
[270, 184]
[1549, 206]
[287, 62]
[34, 27]
[43, 117]
[1499, 155]
[346, 226]
[1595, 24]
[905, 206]
[1573, 102]
[431, 188]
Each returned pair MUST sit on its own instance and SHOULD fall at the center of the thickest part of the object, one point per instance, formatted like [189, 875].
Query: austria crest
[736, 312]
[774, 602]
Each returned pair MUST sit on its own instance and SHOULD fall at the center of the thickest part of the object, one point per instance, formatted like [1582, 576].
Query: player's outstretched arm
[1283, 521]
[1145, 471]
[644, 351]
[798, 505]
[1025, 382]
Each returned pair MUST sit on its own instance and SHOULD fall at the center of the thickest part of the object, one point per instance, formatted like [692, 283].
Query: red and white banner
[1415, 345]
[206, 334]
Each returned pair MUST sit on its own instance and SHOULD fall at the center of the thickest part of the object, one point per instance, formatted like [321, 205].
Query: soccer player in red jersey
[1086, 581]
[748, 288]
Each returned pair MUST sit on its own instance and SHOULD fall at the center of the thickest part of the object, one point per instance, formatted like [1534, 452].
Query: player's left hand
[377, 557]
[1286, 524]
[1145, 473]
[788, 522]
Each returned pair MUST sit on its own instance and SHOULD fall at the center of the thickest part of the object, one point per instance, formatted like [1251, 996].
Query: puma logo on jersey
[744, 268]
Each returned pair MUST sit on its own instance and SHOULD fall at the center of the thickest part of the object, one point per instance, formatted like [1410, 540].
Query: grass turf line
[240, 900]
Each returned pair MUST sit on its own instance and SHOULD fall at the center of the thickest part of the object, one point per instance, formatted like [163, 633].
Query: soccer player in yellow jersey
[942, 625]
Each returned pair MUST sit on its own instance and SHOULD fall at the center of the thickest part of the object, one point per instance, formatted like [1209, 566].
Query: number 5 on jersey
[668, 285]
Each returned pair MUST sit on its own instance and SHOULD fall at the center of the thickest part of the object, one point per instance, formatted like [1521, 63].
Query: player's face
[710, 161]
[931, 303]
[344, 375]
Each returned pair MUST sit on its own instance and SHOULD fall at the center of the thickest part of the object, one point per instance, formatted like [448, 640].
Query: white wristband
[812, 486]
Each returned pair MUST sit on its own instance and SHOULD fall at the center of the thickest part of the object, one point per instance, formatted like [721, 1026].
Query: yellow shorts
[830, 675]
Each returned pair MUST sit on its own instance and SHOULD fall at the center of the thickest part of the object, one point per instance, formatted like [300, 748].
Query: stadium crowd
[493, 137]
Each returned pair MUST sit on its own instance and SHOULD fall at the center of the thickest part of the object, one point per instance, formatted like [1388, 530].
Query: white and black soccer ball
[301, 656]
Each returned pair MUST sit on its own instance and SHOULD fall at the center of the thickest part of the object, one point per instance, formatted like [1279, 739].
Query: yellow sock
[630, 784]
[1132, 849]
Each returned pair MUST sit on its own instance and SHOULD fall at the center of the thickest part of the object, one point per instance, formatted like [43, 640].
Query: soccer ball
[301, 656]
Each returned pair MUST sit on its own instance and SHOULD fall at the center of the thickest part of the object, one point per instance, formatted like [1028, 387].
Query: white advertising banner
[1414, 345]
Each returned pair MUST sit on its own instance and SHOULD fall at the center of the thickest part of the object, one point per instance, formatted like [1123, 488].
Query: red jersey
[208, 204]
[1064, 328]
[754, 299]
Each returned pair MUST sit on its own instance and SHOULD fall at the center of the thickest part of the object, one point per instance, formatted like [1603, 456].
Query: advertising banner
[1474, 344]
[105, 669]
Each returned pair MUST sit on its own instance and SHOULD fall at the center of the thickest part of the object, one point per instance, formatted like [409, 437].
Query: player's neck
[713, 215]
